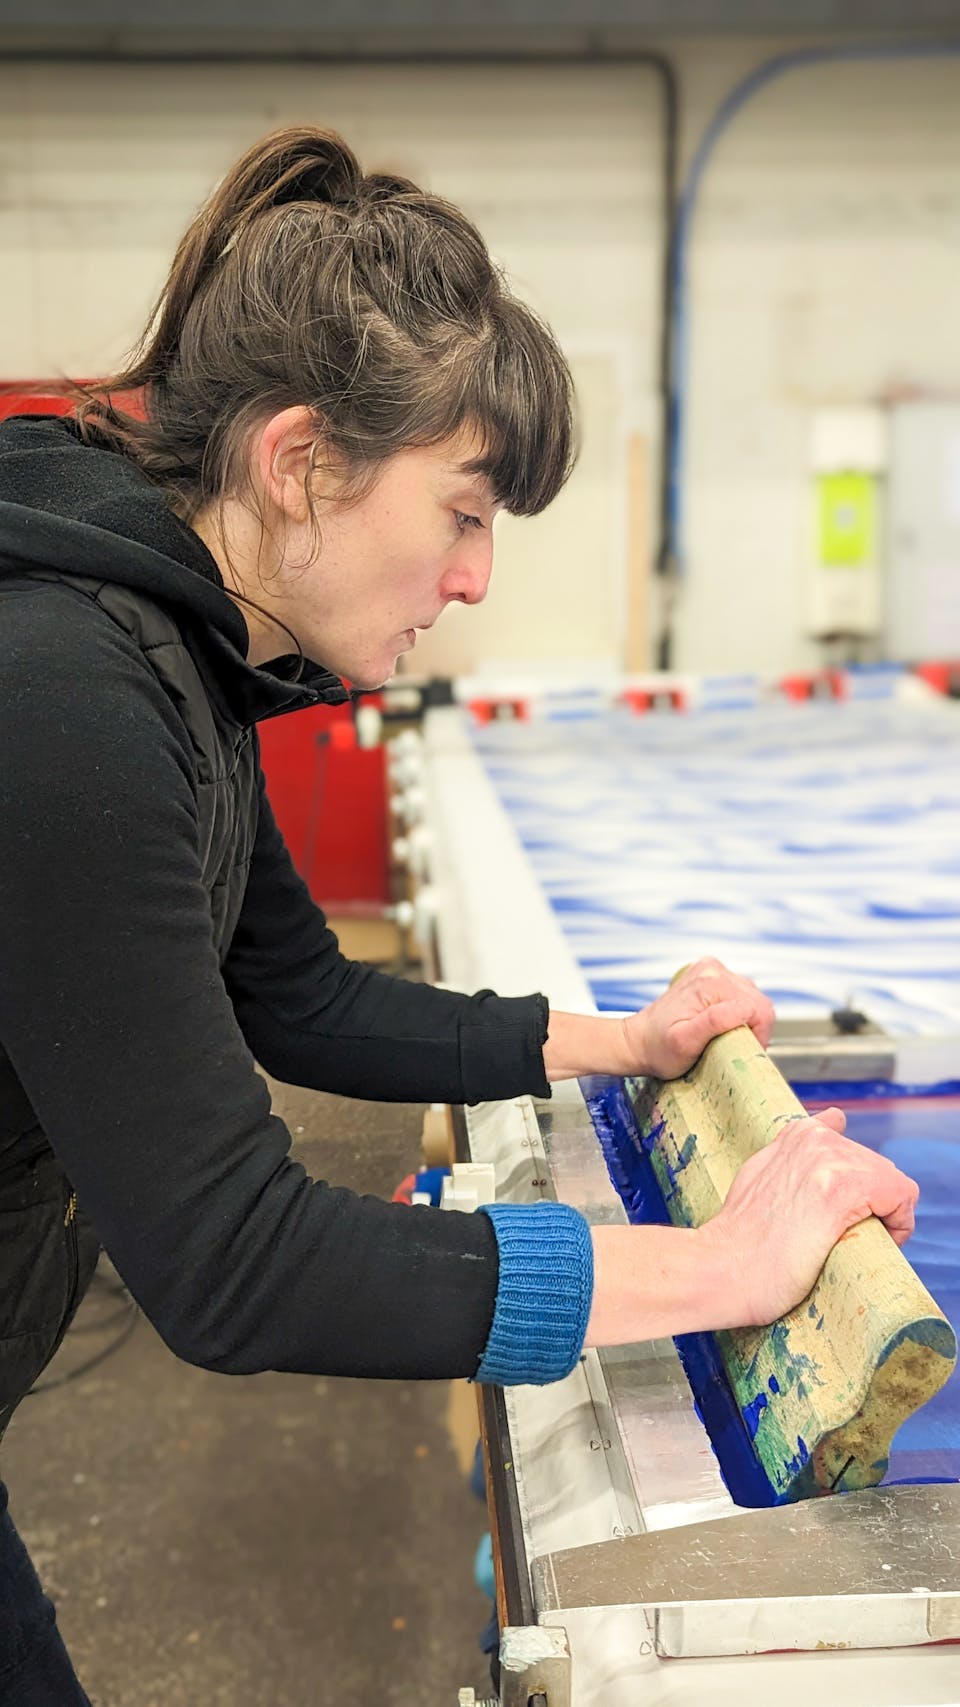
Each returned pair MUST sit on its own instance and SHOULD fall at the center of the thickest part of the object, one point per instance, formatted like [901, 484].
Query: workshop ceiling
[358, 28]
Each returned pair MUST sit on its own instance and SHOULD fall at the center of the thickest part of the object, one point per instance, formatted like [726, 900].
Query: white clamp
[468, 1186]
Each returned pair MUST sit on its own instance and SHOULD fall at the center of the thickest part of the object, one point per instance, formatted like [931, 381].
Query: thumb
[832, 1117]
[723, 1016]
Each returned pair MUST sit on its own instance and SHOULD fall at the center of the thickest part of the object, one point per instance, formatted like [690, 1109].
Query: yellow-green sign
[847, 519]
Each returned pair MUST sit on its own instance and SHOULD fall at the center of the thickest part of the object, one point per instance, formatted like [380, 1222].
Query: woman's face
[386, 566]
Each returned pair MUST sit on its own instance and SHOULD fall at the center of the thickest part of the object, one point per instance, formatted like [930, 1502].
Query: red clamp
[819, 684]
[641, 700]
[943, 677]
[492, 709]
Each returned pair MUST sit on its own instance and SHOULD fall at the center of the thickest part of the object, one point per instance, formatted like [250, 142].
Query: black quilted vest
[48, 1250]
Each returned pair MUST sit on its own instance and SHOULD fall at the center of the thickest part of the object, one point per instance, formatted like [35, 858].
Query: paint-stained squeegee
[824, 1390]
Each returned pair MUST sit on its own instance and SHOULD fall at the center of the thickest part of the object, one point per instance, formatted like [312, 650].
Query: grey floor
[268, 1541]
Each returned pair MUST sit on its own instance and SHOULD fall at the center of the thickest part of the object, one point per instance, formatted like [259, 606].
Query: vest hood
[85, 510]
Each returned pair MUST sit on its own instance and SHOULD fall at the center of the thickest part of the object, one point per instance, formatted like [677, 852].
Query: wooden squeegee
[824, 1389]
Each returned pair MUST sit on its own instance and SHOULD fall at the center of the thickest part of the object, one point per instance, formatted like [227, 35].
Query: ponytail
[297, 165]
[376, 305]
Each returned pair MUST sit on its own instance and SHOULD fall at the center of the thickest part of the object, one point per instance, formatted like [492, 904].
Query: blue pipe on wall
[673, 555]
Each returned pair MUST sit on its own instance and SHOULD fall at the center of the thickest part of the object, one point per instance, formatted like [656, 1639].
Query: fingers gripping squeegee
[823, 1390]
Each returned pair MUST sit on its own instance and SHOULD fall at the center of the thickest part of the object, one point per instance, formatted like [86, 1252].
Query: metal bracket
[875, 1569]
[813, 1051]
[534, 1666]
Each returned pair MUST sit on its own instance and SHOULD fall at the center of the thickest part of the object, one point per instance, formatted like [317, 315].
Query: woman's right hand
[761, 1253]
[792, 1201]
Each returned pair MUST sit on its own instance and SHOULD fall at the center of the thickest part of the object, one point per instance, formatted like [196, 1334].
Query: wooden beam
[437, 1138]
[511, 1570]
[824, 1390]
[637, 656]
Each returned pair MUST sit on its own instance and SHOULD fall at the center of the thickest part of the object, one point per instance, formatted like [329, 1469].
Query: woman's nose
[469, 578]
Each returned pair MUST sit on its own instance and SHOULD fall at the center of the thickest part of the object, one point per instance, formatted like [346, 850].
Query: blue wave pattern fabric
[922, 1136]
[815, 848]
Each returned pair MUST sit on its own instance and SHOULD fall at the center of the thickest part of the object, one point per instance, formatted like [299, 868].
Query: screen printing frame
[607, 1466]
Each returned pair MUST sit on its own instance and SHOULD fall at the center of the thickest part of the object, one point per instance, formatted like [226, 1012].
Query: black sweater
[132, 1047]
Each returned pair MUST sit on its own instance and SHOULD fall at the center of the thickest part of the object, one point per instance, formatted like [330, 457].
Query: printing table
[613, 1523]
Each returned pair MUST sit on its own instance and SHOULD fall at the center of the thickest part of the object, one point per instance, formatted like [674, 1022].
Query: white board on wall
[923, 568]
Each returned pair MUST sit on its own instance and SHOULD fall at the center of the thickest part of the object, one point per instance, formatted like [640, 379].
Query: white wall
[101, 168]
[825, 268]
[826, 261]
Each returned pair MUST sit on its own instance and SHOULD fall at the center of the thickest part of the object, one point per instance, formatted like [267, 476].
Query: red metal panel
[329, 799]
[44, 397]
[16, 398]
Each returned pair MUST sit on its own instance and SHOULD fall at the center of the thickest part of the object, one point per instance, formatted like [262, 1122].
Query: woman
[340, 394]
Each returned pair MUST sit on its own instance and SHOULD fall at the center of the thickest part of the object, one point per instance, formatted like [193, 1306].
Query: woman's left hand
[663, 1040]
[705, 999]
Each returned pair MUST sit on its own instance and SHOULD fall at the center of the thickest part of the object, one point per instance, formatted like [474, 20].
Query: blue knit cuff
[543, 1296]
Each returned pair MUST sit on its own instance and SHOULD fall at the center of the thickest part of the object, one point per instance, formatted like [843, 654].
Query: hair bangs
[523, 412]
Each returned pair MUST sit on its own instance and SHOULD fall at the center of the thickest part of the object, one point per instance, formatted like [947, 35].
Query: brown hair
[302, 281]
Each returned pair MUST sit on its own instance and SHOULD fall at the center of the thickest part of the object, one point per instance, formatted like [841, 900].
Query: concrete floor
[265, 1541]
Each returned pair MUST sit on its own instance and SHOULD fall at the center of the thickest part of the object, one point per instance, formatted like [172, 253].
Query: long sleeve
[115, 1016]
[312, 1017]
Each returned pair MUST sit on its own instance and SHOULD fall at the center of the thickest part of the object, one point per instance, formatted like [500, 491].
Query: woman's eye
[464, 521]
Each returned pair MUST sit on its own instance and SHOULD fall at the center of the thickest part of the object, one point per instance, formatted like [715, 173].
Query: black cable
[664, 563]
[91, 1362]
[129, 1313]
[101, 1327]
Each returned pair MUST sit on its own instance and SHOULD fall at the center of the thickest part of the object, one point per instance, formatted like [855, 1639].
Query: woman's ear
[283, 458]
